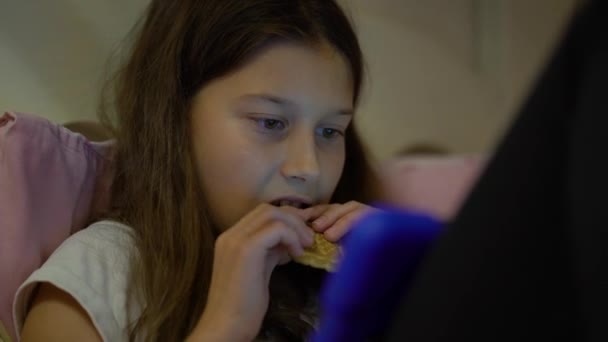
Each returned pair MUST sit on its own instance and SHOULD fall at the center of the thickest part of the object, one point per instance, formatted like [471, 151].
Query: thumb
[276, 256]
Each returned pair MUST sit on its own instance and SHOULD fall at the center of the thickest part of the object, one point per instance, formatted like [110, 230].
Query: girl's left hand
[335, 220]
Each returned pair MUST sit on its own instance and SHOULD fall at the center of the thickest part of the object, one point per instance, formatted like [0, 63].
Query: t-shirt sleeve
[93, 267]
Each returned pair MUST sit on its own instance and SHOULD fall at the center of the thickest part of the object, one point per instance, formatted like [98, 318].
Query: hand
[335, 220]
[245, 256]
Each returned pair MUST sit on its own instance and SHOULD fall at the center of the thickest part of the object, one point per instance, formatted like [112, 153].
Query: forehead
[307, 75]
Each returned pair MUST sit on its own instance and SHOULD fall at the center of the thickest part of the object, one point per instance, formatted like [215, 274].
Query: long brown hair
[180, 46]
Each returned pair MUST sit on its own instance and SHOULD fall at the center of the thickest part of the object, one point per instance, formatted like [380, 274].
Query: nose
[301, 161]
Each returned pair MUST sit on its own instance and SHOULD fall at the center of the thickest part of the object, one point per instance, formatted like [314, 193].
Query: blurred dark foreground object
[526, 258]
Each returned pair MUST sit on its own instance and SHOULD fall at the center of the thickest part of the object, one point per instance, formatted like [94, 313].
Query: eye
[330, 133]
[270, 124]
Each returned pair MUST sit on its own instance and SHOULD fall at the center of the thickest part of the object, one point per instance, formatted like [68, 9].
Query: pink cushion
[435, 184]
[48, 176]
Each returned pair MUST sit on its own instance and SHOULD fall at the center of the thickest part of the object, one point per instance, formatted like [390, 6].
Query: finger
[304, 214]
[294, 220]
[337, 231]
[266, 214]
[333, 214]
[282, 256]
[316, 211]
[271, 214]
[277, 235]
[277, 256]
[251, 221]
[276, 244]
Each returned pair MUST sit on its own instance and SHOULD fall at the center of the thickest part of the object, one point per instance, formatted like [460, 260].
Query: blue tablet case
[381, 255]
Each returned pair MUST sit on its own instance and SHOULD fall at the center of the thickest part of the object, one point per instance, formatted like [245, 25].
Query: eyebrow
[281, 101]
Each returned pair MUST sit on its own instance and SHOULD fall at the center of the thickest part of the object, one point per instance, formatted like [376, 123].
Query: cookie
[322, 254]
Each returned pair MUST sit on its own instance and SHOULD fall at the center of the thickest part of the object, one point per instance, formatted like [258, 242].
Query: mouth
[292, 202]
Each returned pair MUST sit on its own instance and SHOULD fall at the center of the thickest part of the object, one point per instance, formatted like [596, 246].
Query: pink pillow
[435, 184]
[48, 176]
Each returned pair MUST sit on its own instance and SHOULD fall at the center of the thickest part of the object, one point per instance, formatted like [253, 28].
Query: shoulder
[103, 234]
[105, 247]
[87, 275]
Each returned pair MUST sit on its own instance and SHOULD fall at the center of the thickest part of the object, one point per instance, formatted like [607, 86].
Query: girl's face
[273, 129]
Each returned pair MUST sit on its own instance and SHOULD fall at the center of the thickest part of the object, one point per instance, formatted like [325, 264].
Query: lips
[299, 203]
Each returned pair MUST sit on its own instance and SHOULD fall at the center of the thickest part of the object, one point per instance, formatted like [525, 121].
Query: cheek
[226, 169]
[219, 150]
[333, 166]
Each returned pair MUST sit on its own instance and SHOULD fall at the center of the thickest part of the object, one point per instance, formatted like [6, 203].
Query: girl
[234, 130]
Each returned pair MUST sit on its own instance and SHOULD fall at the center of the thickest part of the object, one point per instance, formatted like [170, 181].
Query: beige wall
[54, 53]
[451, 72]
[439, 71]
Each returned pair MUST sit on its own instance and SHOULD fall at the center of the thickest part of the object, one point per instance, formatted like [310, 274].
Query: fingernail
[329, 235]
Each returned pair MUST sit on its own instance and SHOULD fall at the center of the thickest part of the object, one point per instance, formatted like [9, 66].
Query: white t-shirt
[93, 267]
